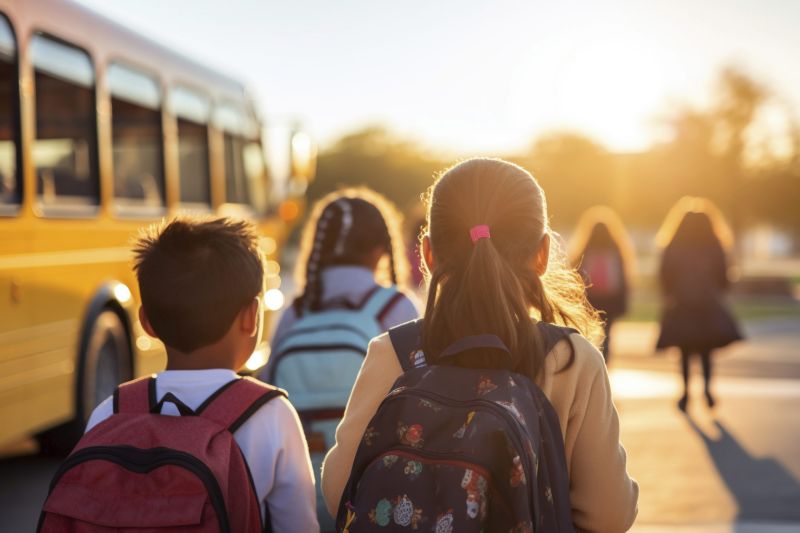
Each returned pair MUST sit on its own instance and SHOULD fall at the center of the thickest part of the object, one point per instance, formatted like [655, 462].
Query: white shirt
[271, 440]
[351, 283]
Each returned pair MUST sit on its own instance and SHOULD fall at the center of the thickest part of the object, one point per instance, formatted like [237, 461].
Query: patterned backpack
[317, 362]
[459, 449]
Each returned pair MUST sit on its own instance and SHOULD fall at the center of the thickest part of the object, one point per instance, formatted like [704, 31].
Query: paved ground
[736, 469]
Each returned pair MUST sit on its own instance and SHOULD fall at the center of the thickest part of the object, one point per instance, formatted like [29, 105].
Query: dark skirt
[699, 327]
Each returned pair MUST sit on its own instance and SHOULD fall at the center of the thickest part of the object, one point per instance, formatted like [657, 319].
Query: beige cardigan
[602, 494]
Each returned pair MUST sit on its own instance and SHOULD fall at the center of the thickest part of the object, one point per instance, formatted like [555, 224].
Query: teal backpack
[317, 362]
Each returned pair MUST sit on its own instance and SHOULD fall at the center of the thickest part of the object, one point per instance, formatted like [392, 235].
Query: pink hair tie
[480, 231]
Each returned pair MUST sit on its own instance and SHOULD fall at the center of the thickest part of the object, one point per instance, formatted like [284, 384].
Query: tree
[372, 157]
[706, 154]
[575, 172]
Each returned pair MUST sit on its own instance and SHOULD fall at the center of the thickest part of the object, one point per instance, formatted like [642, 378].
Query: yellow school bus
[102, 131]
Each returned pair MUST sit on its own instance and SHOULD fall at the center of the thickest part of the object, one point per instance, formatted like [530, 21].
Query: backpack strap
[383, 313]
[137, 396]
[375, 301]
[552, 334]
[380, 300]
[471, 342]
[236, 401]
[407, 342]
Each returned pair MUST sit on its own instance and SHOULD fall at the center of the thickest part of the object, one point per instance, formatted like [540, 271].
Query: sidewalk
[771, 349]
[734, 469]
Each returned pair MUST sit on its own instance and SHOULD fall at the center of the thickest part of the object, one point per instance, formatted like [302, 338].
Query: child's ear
[248, 318]
[427, 253]
[542, 256]
[145, 322]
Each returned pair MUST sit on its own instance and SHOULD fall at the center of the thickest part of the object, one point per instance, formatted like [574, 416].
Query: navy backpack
[455, 449]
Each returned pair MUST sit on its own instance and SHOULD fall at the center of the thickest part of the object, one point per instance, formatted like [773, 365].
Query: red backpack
[143, 471]
[604, 272]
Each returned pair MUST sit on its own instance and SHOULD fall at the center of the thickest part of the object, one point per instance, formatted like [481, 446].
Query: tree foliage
[399, 169]
[705, 156]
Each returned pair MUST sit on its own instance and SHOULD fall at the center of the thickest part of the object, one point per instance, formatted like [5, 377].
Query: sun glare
[639, 384]
[273, 299]
[612, 88]
[258, 359]
[609, 85]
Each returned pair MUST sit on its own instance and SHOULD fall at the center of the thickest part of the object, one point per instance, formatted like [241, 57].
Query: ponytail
[487, 284]
[490, 299]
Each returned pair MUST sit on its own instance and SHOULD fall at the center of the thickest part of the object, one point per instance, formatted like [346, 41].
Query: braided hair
[350, 225]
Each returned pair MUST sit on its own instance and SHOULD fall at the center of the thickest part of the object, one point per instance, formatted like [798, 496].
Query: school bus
[102, 131]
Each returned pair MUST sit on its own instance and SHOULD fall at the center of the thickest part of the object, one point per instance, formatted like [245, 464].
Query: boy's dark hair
[195, 276]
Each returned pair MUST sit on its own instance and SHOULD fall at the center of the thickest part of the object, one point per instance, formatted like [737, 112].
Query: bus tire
[104, 363]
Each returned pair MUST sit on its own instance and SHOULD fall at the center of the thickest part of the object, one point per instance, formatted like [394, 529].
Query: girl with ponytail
[493, 269]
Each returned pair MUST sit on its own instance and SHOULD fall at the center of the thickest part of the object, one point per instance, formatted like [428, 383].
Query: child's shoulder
[269, 428]
[276, 412]
[586, 358]
[104, 410]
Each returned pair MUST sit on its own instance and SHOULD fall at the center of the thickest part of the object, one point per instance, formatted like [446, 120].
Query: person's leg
[705, 357]
[685, 356]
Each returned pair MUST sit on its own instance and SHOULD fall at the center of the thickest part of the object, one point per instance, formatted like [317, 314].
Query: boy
[200, 282]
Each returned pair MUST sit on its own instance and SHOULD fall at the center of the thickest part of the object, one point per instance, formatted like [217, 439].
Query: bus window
[245, 176]
[192, 110]
[193, 152]
[256, 172]
[9, 125]
[235, 178]
[136, 137]
[65, 150]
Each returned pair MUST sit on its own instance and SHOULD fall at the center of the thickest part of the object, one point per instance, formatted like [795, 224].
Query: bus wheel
[105, 362]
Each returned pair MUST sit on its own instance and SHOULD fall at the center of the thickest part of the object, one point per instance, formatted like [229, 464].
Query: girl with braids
[350, 266]
[351, 245]
[493, 271]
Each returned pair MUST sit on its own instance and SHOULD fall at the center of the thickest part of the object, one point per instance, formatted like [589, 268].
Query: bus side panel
[49, 273]
[36, 351]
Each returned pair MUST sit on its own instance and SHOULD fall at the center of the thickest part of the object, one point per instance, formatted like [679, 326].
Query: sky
[475, 77]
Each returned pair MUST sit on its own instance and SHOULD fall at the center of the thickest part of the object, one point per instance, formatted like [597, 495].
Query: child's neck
[201, 359]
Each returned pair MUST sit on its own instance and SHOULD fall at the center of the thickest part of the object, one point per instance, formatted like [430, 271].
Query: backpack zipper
[414, 453]
[429, 456]
[319, 348]
[327, 327]
[144, 460]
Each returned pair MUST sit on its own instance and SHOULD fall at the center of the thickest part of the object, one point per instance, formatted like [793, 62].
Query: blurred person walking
[694, 277]
[602, 252]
